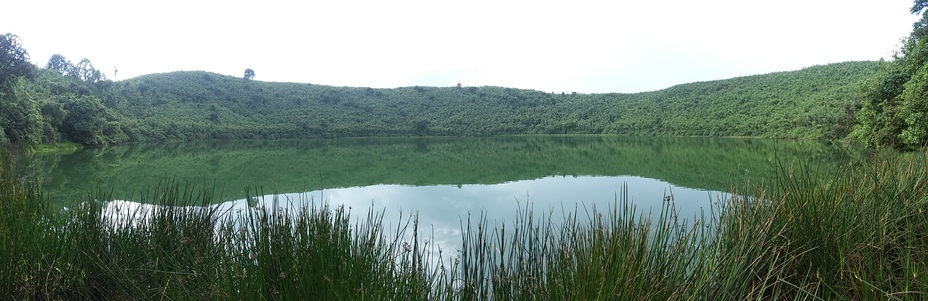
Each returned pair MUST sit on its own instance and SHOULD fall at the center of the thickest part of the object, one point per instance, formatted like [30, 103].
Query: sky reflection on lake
[441, 209]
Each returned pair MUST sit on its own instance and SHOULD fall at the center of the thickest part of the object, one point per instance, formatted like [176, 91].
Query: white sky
[560, 46]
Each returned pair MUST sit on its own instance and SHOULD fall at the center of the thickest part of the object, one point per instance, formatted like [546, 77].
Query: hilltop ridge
[815, 102]
[807, 103]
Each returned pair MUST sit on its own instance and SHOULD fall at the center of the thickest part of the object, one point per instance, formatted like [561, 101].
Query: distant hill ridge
[810, 103]
[815, 102]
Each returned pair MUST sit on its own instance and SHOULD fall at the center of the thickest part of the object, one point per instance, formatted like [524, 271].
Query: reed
[858, 234]
[588, 255]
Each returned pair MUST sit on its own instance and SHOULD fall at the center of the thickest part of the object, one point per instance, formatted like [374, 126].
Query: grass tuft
[858, 234]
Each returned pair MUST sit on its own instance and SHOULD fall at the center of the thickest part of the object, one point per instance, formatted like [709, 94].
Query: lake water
[441, 179]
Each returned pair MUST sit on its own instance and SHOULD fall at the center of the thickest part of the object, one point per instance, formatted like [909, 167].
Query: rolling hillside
[809, 103]
[816, 102]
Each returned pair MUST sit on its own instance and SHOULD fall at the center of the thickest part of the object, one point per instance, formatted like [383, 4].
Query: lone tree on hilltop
[61, 65]
[88, 73]
[249, 74]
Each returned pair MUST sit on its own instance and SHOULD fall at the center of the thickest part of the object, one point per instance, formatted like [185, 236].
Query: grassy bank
[861, 233]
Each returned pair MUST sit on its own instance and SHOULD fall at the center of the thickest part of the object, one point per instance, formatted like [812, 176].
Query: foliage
[14, 60]
[811, 103]
[84, 69]
[88, 73]
[19, 118]
[19, 114]
[895, 106]
[854, 234]
[61, 65]
[816, 102]
[84, 122]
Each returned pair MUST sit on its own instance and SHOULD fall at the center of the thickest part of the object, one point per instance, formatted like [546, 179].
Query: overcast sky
[560, 46]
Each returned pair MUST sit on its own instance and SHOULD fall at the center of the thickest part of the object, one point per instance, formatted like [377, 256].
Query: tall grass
[189, 251]
[860, 234]
[24, 237]
[591, 255]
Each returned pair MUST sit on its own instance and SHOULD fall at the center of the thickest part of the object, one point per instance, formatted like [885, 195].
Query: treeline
[895, 107]
[817, 102]
[67, 102]
[60, 102]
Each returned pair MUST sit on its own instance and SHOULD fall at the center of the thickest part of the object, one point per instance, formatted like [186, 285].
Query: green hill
[61, 104]
[809, 103]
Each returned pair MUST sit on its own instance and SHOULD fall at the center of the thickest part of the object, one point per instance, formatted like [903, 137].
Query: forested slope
[895, 101]
[75, 102]
[816, 102]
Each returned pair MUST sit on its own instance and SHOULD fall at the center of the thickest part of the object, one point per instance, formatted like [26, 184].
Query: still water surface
[441, 179]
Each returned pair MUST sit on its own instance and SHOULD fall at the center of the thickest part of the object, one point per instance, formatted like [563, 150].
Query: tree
[421, 127]
[920, 28]
[53, 113]
[61, 65]
[88, 73]
[84, 121]
[895, 106]
[249, 74]
[20, 120]
[14, 60]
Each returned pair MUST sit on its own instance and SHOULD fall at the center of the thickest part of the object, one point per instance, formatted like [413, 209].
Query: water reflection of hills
[305, 165]
[441, 209]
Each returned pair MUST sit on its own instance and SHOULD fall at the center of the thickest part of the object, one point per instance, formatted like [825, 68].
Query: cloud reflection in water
[441, 209]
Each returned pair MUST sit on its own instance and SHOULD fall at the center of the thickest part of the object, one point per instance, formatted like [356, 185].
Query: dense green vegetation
[75, 102]
[854, 234]
[306, 165]
[806, 103]
[895, 106]
[57, 103]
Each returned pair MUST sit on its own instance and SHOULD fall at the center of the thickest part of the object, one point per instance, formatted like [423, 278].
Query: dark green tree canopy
[249, 74]
[920, 28]
[88, 73]
[61, 65]
[895, 103]
[14, 60]
[919, 6]
[84, 69]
